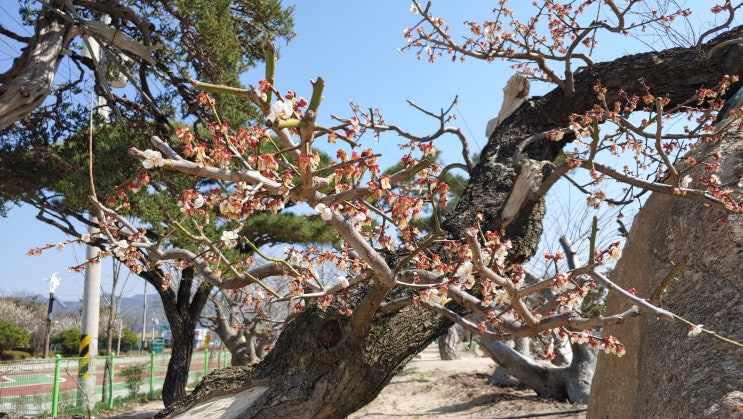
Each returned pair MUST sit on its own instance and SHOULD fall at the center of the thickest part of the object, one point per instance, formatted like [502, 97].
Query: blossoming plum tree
[401, 288]
[471, 261]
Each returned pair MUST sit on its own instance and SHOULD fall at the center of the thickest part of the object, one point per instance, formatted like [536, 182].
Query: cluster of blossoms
[59, 246]
[494, 294]
[255, 298]
[562, 283]
[192, 203]
[609, 344]
[494, 249]
[571, 301]
[595, 199]
[129, 255]
[120, 197]
[549, 349]
[613, 252]
[344, 308]
[230, 238]
[436, 295]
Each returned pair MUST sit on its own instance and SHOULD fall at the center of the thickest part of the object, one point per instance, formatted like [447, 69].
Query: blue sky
[354, 47]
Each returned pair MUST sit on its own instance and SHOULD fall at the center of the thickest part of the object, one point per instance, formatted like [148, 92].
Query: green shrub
[12, 336]
[15, 355]
[68, 340]
[134, 378]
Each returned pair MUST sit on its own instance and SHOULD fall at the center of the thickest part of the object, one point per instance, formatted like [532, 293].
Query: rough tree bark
[324, 367]
[30, 79]
[183, 311]
[665, 373]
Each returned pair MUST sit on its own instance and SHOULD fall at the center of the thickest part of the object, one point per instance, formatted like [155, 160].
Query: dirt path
[431, 388]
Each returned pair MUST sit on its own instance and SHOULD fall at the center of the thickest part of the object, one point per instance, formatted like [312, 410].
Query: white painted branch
[528, 181]
[111, 36]
[514, 94]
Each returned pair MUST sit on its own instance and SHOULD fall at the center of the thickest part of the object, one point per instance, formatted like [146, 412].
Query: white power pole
[89, 331]
[92, 287]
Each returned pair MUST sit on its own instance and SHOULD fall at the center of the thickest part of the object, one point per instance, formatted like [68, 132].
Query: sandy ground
[431, 388]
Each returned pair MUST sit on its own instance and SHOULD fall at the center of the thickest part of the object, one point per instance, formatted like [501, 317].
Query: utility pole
[53, 284]
[92, 288]
[89, 331]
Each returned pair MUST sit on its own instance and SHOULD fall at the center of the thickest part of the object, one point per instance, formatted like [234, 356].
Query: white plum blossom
[119, 248]
[229, 238]
[259, 93]
[198, 202]
[686, 181]
[60, 246]
[501, 297]
[433, 296]
[343, 281]
[464, 275]
[501, 251]
[593, 201]
[152, 159]
[695, 331]
[281, 109]
[562, 283]
[413, 9]
[580, 338]
[326, 213]
[358, 219]
[518, 279]
[569, 302]
[295, 258]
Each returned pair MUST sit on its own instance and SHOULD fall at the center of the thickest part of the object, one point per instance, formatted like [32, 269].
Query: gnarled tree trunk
[665, 373]
[570, 382]
[324, 366]
[29, 81]
[183, 311]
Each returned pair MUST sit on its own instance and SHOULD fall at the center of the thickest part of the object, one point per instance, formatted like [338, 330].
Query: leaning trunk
[665, 369]
[570, 382]
[319, 368]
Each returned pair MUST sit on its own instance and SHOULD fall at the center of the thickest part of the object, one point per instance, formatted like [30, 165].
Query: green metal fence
[51, 386]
